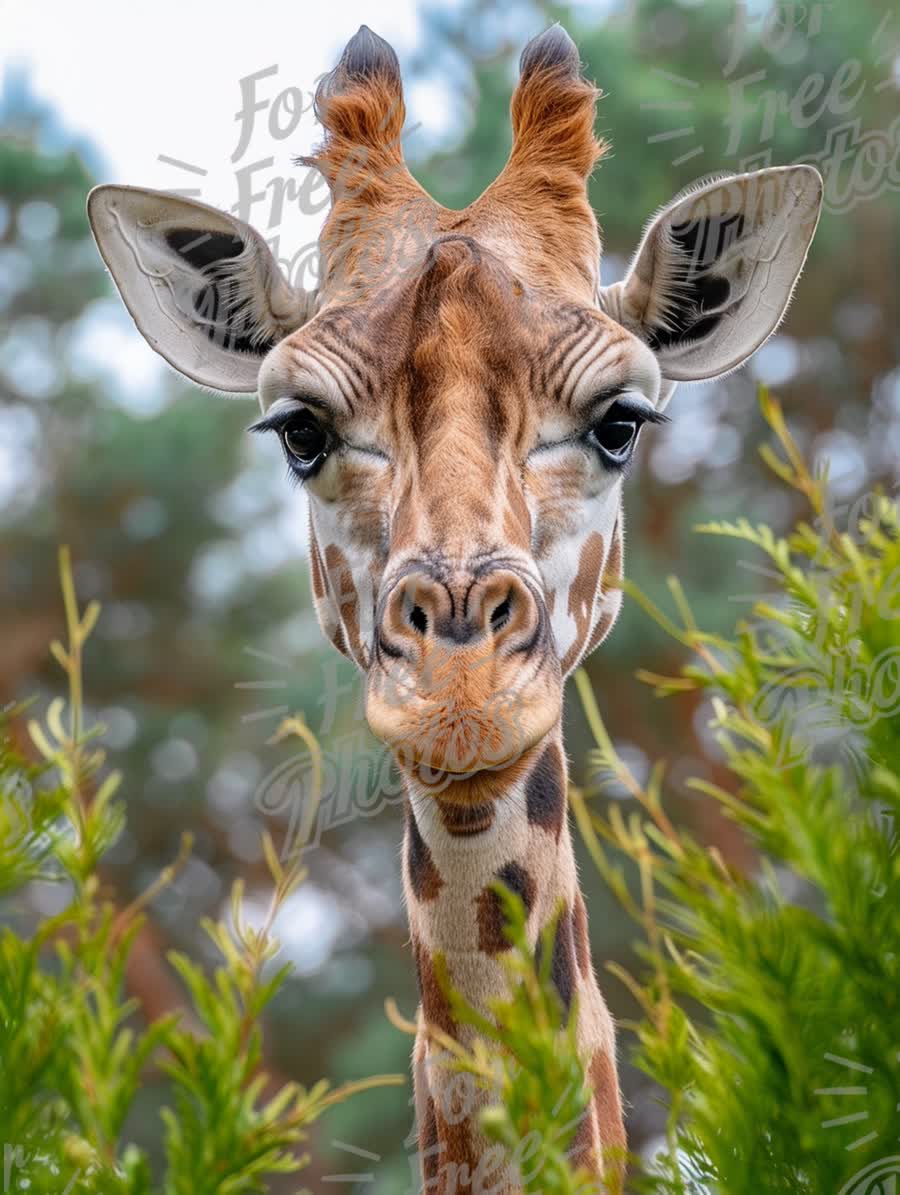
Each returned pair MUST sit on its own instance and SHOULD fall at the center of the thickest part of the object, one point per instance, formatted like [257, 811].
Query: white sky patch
[19, 477]
[309, 927]
[166, 80]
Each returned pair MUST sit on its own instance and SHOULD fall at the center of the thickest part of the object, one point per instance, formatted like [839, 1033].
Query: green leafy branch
[780, 982]
[74, 1055]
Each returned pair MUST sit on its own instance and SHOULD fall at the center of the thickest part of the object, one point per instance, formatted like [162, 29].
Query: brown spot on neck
[583, 1149]
[429, 1146]
[492, 938]
[465, 820]
[582, 937]
[424, 877]
[608, 1108]
[435, 1004]
[458, 1155]
[563, 964]
[545, 792]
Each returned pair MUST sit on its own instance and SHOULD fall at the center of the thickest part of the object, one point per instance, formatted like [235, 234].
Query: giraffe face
[462, 437]
[460, 398]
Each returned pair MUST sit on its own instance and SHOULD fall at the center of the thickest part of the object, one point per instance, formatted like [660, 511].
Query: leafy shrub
[73, 1054]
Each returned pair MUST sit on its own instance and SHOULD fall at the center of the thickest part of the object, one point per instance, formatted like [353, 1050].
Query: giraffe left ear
[202, 286]
[715, 270]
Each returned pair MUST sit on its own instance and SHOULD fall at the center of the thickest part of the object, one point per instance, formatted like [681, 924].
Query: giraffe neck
[453, 853]
[516, 832]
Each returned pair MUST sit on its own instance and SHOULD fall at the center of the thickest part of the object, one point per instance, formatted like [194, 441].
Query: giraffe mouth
[446, 761]
[440, 748]
[431, 776]
[456, 710]
[468, 792]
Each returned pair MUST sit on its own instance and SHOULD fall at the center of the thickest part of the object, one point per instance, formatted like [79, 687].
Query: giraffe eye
[616, 433]
[306, 442]
[616, 438]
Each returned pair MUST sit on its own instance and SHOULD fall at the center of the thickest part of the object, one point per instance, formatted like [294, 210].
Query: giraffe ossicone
[461, 398]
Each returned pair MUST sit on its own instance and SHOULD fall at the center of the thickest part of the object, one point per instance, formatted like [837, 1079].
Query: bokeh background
[186, 530]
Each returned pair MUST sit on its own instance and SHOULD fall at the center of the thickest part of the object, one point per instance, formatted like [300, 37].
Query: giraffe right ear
[716, 269]
[202, 286]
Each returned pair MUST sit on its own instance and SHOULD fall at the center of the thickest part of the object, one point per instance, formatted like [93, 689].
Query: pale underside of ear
[202, 286]
[715, 270]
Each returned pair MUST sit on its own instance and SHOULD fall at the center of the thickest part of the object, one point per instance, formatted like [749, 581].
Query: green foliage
[73, 1050]
[770, 1001]
[790, 1074]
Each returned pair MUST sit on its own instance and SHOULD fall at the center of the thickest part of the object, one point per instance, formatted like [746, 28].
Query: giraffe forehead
[470, 324]
[457, 336]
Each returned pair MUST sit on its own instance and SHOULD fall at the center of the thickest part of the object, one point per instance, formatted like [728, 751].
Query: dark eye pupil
[305, 439]
[616, 437]
[616, 432]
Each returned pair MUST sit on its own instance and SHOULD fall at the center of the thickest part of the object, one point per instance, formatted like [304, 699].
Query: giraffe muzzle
[464, 678]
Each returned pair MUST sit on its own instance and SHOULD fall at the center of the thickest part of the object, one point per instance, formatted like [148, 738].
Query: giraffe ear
[715, 270]
[202, 287]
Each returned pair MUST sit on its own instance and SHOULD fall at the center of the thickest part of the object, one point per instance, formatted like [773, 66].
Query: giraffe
[461, 399]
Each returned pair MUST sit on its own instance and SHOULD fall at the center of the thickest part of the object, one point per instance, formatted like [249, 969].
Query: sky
[158, 85]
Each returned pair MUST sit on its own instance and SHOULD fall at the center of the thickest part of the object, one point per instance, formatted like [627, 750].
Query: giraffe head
[459, 397]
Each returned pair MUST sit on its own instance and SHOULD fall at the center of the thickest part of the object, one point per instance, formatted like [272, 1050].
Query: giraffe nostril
[501, 613]
[418, 619]
[495, 609]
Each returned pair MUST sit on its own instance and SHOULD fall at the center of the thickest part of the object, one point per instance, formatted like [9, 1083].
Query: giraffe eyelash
[637, 406]
[276, 419]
